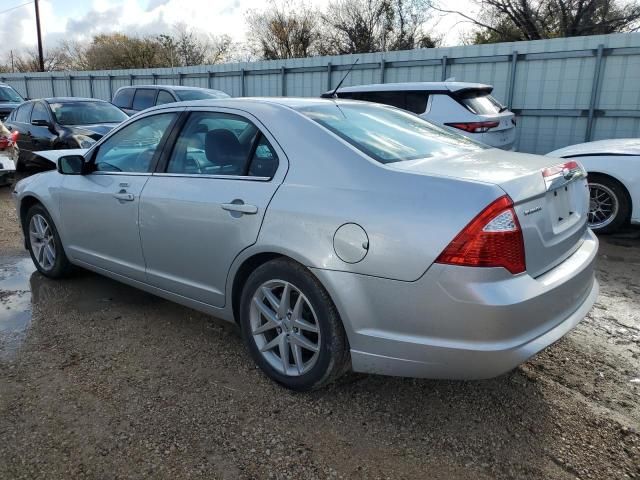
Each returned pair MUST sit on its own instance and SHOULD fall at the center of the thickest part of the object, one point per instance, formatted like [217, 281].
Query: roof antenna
[334, 94]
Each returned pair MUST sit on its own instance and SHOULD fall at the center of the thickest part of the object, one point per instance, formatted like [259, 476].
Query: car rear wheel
[44, 244]
[291, 326]
[608, 204]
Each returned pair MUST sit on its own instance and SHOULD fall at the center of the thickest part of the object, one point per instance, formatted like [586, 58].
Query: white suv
[467, 107]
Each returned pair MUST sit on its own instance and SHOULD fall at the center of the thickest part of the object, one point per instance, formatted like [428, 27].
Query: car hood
[96, 131]
[619, 146]
[54, 155]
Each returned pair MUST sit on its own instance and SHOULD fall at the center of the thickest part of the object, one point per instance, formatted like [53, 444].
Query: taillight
[8, 141]
[570, 166]
[474, 127]
[492, 239]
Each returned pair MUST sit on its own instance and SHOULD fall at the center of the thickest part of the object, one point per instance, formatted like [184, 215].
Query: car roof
[413, 86]
[168, 87]
[251, 102]
[69, 99]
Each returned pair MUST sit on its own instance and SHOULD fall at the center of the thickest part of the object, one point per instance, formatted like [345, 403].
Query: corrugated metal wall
[564, 91]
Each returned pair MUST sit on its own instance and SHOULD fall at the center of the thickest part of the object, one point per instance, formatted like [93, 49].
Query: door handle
[124, 197]
[240, 208]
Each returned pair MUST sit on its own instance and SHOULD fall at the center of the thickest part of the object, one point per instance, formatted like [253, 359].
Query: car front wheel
[291, 326]
[44, 243]
[608, 204]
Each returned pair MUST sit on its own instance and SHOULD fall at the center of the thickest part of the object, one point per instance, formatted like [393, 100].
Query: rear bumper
[460, 322]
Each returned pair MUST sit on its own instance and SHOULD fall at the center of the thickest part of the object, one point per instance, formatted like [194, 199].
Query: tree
[284, 30]
[54, 59]
[513, 20]
[361, 26]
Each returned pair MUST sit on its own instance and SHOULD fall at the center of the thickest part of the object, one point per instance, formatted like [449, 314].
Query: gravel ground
[98, 380]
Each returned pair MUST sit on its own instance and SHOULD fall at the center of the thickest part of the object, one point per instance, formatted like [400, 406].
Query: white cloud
[69, 19]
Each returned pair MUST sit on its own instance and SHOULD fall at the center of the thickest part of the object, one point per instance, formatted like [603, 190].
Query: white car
[8, 155]
[468, 108]
[613, 167]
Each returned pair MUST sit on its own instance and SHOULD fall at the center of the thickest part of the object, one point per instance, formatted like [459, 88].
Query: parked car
[140, 97]
[8, 155]
[59, 123]
[614, 180]
[468, 108]
[9, 99]
[338, 234]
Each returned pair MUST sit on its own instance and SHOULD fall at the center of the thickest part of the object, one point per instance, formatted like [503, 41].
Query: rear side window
[164, 97]
[39, 112]
[123, 98]
[24, 113]
[479, 102]
[413, 101]
[388, 135]
[222, 144]
[143, 99]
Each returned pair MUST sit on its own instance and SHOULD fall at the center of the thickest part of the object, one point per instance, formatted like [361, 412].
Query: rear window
[388, 135]
[479, 102]
[123, 98]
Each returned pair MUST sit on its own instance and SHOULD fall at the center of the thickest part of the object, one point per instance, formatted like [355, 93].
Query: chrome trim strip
[220, 177]
[132, 174]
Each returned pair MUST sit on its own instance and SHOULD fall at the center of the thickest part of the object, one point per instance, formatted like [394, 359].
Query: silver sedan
[338, 235]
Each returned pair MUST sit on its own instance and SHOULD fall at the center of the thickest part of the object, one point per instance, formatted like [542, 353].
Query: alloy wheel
[603, 206]
[285, 327]
[42, 242]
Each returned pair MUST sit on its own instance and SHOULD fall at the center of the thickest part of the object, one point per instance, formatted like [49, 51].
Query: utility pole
[40, 56]
[13, 70]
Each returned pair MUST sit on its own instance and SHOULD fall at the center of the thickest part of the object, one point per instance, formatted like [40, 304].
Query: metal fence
[564, 91]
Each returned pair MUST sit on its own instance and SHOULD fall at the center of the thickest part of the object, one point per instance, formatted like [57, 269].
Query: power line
[15, 8]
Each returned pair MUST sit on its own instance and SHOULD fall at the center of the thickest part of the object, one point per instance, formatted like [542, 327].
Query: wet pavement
[99, 380]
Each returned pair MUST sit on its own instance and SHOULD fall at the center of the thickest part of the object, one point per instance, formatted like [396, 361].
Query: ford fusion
[338, 234]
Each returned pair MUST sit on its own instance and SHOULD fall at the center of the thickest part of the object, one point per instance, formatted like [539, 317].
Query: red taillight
[8, 141]
[492, 239]
[474, 127]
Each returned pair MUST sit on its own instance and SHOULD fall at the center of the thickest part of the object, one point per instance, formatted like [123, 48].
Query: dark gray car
[140, 97]
[9, 99]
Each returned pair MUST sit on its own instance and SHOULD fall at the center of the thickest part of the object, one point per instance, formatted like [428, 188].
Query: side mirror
[40, 123]
[72, 165]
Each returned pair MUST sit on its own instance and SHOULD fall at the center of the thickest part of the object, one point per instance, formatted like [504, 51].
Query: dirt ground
[99, 380]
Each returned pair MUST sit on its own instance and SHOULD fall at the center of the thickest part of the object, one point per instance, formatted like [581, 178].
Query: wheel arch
[626, 191]
[26, 203]
[248, 263]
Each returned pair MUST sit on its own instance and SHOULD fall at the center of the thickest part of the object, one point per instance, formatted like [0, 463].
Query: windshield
[388, 134]
[186, 95]
[480, 102]
[8, 94]
[86, 113]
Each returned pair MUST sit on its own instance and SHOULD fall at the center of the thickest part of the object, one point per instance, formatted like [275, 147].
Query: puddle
[15, 303]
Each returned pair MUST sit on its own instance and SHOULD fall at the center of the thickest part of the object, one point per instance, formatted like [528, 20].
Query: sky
[81, 19]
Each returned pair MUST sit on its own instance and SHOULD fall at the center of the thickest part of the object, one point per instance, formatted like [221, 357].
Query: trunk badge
[532, 210]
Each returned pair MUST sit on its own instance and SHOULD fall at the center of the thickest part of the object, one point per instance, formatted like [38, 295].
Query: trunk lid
[552, 210]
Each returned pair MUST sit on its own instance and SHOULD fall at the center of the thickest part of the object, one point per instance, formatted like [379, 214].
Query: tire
[266, 328]
[608, 204]
[42, 240]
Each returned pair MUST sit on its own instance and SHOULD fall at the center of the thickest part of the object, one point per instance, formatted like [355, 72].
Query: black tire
[617, 190]
[333, 355]
[61, 266]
